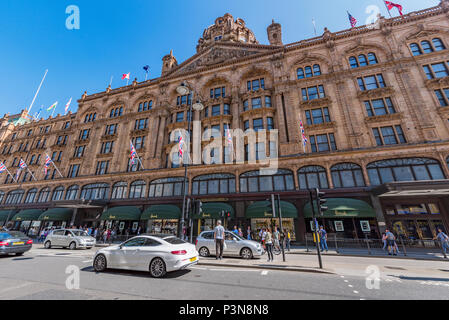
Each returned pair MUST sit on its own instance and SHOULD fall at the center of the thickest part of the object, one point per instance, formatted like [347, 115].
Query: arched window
[309, 72]
[166, 187]
[408, 169]
[119, 190]
[438, 44]
[254, 181]
[347, 175]
[300, 73]
[416, 50]
[316, 70]
[426, 46]
[72, 193]
[95, 191]
[214, 184]
[31, 196]
[137, 189]
[145, 105]
[362, 60]
[57, 193]
[312, 177]
[372, 59]
[353, 62]
[14, 197]
[44, 195]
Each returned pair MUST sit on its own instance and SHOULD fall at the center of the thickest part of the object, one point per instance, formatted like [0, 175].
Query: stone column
[379, 213]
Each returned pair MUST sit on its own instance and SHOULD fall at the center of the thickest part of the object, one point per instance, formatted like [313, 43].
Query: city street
[41, 274]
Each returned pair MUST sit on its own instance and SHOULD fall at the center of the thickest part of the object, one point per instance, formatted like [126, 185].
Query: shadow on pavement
[421, 278]
[139, 274]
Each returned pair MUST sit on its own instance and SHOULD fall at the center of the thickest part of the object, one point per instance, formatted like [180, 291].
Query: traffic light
[197, 208]
[228, 215]
[320, 202]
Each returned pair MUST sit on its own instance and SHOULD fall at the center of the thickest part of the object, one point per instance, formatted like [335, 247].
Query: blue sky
[117, 37]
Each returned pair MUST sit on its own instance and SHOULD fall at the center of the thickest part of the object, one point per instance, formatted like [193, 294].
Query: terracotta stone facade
[229, 56]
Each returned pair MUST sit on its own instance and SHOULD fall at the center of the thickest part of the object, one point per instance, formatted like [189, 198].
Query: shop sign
[339, 226]
[122, 225]
[364, 224]
[206, 215]
[135, 225]
[153, 216]
[266, 214]
[111, 217]
[344, 214]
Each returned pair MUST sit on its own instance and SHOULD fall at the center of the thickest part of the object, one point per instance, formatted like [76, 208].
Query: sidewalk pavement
[415, 254]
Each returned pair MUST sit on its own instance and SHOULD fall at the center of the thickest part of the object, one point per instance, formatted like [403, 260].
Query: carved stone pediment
[375, 93]
[423, 32]
[320, 126]
[438, 83]
[359, 48]
[383, 118]
[322, 102]
[216, 55]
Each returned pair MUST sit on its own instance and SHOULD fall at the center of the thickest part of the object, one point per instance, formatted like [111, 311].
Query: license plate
[18, 243]
[192, 259]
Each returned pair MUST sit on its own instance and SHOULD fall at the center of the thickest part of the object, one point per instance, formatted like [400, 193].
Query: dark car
[14, 242]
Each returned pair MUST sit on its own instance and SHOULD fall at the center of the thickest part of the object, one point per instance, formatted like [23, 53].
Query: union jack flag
[133, 153]
[22, 164]
[2, 168]
[47, 163]
[352, 20]
[303, 133]
[181, 145]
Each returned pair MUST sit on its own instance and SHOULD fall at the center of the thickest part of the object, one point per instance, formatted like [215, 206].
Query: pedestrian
[276, 238]
[323, 239]
[269, 244]
[289, 239]
[236, 231]
[219, 233]
[240, 232]
[391, 243]
[444, 241]
[248, 233]
[384, 241]
[95, 233]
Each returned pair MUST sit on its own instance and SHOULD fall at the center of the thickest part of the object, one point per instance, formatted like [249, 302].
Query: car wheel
[72, 246]
[157, 268]
[100, 263]
[47, 245]
[246, 253]
[204, 252]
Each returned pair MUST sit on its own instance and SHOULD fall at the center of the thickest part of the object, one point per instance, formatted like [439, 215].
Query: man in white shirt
[219, 233]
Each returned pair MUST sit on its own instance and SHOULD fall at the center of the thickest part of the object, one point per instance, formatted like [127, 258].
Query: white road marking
[264, 273]
[87, 261]
[346, 281]
[16, 287]
[350, 286]
[356, 292]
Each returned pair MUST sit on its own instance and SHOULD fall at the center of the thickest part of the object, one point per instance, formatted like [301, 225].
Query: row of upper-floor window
[342, 175]
[42, 130]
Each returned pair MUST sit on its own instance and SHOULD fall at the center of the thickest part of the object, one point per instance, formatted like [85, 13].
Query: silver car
[69, 238]
[234, 245]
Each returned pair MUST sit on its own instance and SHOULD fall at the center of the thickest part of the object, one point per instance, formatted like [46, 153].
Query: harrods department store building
[375, 108]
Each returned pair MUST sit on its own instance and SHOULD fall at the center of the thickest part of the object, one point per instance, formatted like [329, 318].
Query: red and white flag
[47, 163]
[181, 145]
[391, 5]
[126, 76]
[67, 106]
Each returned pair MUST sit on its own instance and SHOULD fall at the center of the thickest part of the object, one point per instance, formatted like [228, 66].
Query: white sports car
[156, 253]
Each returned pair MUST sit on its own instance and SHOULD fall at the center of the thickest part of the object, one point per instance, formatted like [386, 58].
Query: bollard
[367, 244]
[403, 245]
[307, 244]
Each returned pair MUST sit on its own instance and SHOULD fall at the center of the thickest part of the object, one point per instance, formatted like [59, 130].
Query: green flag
[52, 106]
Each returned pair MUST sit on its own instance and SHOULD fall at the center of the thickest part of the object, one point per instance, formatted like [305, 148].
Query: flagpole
[56, 168]
[53, 112]
[11, 175]
[37, 92]
[31, 174]
[110, 82]
[388, 10]
[314, 26]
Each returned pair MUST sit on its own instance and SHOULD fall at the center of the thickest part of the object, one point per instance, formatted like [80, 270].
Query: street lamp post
[185, 89]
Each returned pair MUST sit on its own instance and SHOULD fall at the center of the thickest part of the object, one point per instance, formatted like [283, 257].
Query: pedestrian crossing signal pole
[315, 226]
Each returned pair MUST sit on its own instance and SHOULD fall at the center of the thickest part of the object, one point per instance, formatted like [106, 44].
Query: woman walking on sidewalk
[269, 244]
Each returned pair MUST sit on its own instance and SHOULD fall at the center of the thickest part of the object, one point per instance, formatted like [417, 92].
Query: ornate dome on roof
[227, 30]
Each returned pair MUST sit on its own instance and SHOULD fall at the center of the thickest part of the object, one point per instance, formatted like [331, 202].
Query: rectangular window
[270, 123]
[106, 147]
[102, 167]
[443, 96]
[317, 116]
[389, 135]
[371, 82]
[79, 152]
[267, 102]
[84, 134]
[323, 142]
[256, 103]
[111, 129]
[216, 110]
[313, 93]
[139, 142]
[73, 171]
[258, 124]
[257, 84]
[180, 117]
[141, 124]
[226, 109]
[245, 105]
[379, 107]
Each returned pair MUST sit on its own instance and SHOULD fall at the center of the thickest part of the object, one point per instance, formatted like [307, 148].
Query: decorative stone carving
[376, 93]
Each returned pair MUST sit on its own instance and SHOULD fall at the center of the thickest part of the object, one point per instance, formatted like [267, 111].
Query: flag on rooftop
[52, 106]
[352, 20]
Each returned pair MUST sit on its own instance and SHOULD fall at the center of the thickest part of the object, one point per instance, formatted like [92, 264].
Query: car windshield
[232, 234]
[11, 234]
[79, 233]
[174, 240]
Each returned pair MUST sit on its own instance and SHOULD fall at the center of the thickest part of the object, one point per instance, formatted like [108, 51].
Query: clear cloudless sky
[117, 37]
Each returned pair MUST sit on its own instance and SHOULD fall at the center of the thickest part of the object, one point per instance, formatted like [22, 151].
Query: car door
[129, 255]
[150, 249]
[56, 237]
[67, 238]
[209, 242]
[231, 244]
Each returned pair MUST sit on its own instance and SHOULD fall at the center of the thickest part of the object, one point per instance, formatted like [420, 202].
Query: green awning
[5, 213]
[28, 215]
[125, 213]
[164, 211]
[343, 208]
[56, 214]
[212, 210]
[260, 210]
